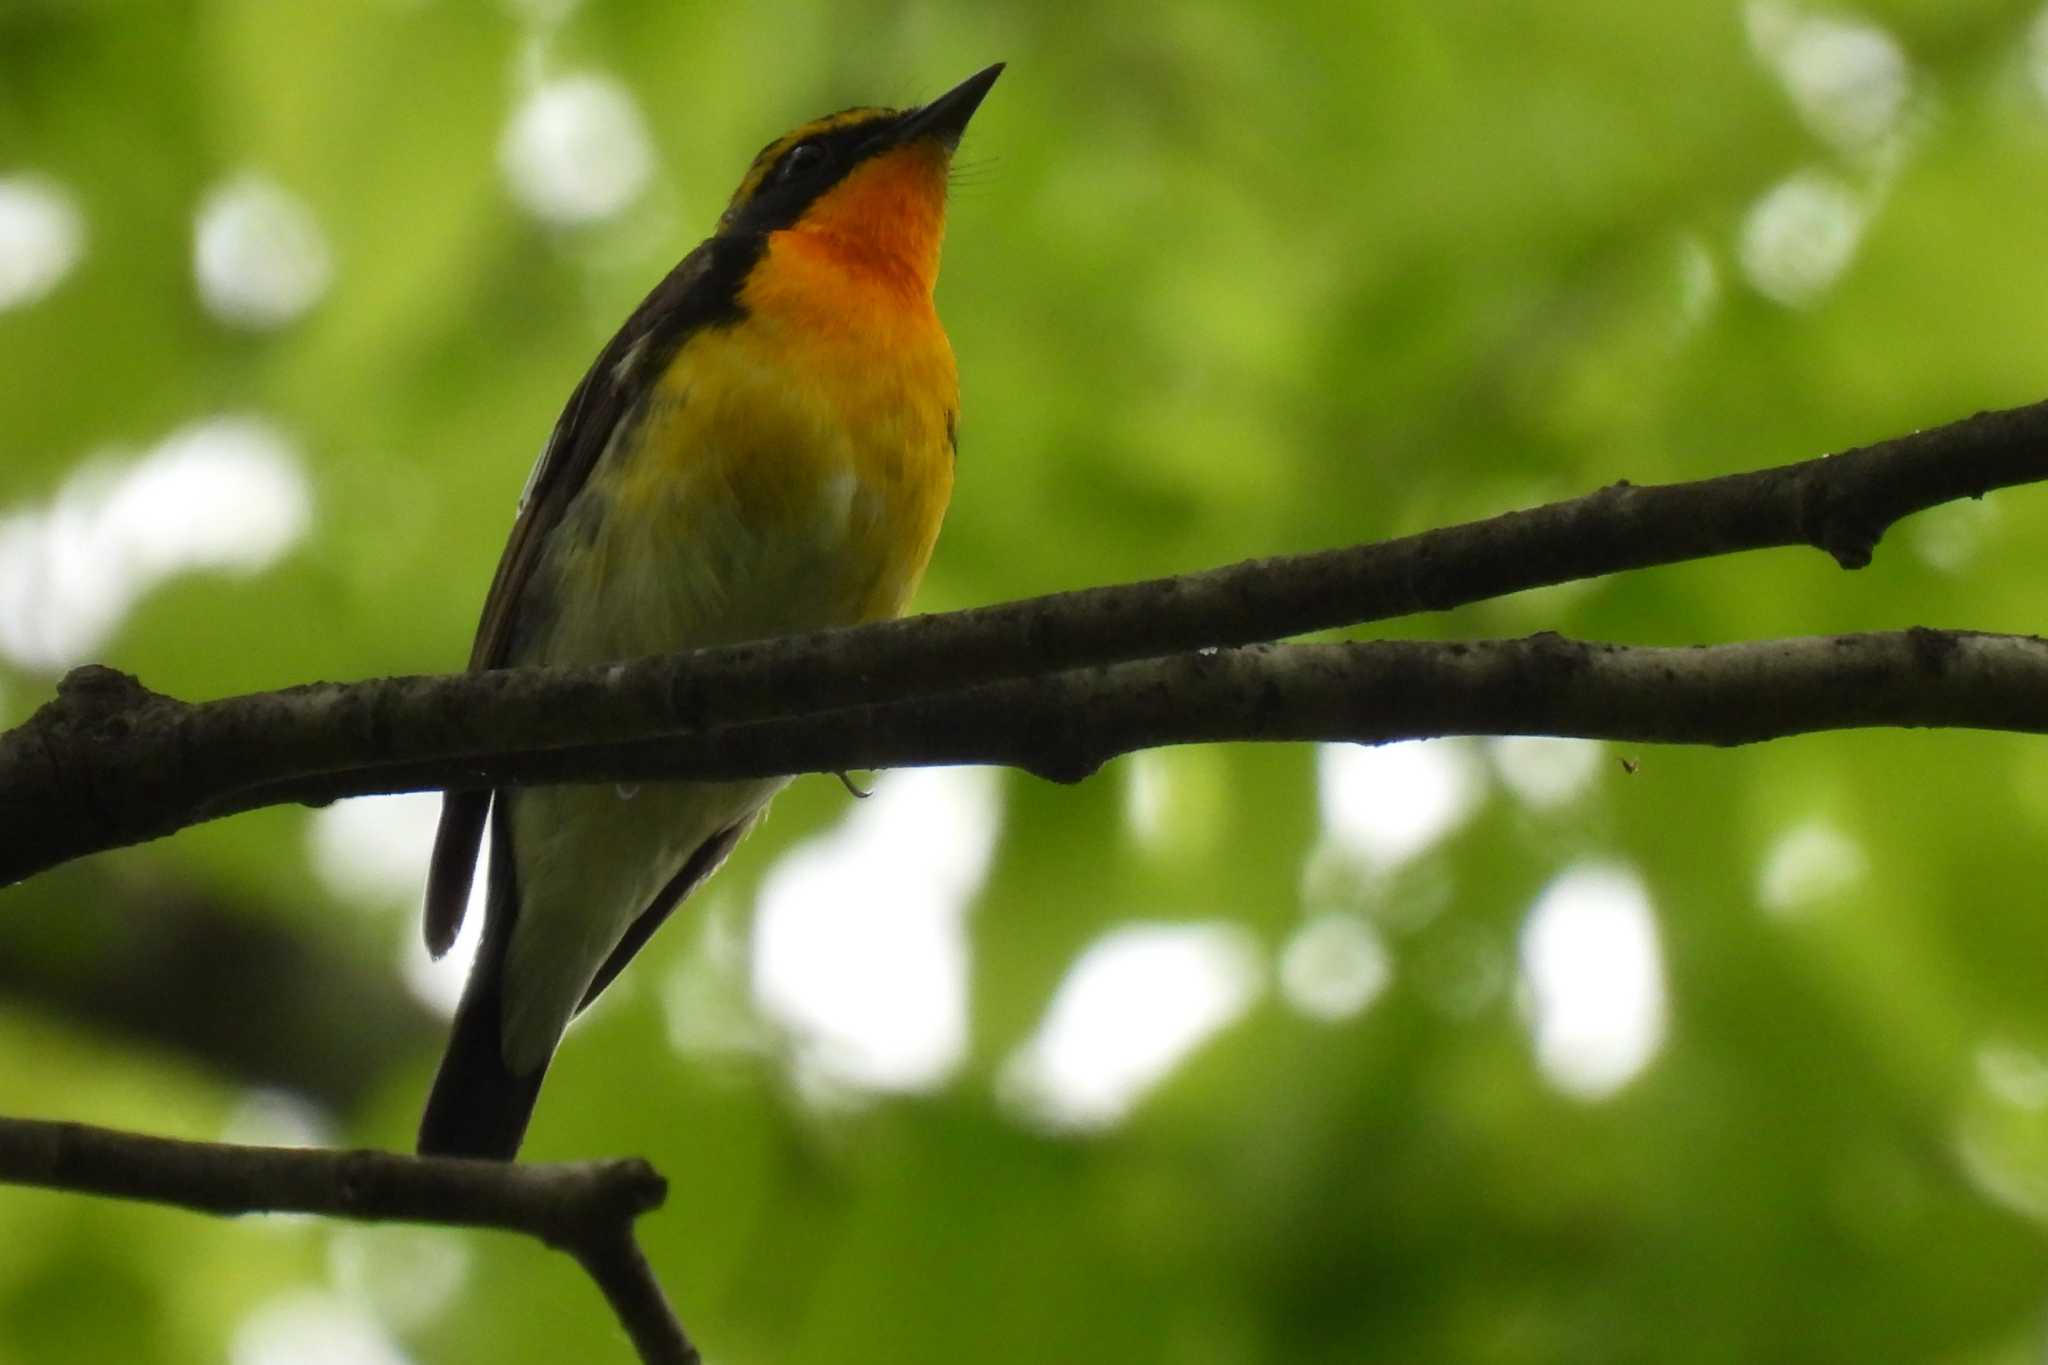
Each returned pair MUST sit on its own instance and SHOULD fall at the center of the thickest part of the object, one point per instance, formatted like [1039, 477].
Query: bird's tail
[479, 1106]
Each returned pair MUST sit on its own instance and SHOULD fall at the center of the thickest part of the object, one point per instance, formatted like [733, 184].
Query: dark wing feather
[701, 291]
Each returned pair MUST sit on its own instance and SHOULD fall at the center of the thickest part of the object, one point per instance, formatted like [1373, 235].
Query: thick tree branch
[109, 763]
[585, 1208]
[1066, 725]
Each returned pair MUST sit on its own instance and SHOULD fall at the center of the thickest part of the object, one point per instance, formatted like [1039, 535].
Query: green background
[1224, 280]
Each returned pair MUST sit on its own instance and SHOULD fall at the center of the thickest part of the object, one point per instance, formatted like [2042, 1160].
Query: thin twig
[109, 763]
[620, 1269]
[586, 1208]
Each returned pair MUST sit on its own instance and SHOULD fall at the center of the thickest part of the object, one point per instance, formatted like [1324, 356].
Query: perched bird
[765, 447]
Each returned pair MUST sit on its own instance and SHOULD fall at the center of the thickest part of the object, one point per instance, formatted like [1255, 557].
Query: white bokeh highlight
[372, 851]
[1386, 804]
[226, 495]
[1134, 1005]
[2016, 1075]
[1699, 285]
[42, 236]
[259, 254]
[860, 935]
[706, 999]
[1147, 797]
[1800, 236]
[277, 1118]
[2037, 55]
[438, 983]
[1544, 773]
[1593, 980]
[577, 150]
[1334, 966]
[1807, 864]
[1177, 801]
[402, 1276]
[1949, 538]
[309, 1327]
[1848, 79]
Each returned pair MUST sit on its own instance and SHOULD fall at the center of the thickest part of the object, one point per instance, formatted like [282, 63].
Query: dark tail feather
[479, 1107]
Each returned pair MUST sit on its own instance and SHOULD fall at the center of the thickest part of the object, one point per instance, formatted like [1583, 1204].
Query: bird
[766, 447]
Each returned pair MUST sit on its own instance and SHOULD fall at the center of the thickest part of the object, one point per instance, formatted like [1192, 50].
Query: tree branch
[586, 1208]
[1055, 685]
[109, 763]
[1066, 725]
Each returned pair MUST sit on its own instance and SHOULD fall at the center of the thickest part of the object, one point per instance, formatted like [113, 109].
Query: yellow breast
[789, 472]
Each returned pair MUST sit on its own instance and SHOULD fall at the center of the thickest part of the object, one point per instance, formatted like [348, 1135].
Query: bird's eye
[802, 159]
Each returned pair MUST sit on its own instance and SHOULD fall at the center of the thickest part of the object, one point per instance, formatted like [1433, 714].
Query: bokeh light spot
[2037, 54]
[1699, 284]
[403, 1276]
[1807, 864]
[577, 150]
[2015, 1074]
[438, 983]
[226, 494]
[1593, 975]
[1334, 966]
[1847, 77]
[259, 255]
[1949, 538]
[373, 851]
[1176, 801]
[1391, 802]
[42, 236]
[1545, 773]
[1135, 1004]
[313, 1328]
[860, 935]
[277, 1118]
[1800, 236]
[706, 1002]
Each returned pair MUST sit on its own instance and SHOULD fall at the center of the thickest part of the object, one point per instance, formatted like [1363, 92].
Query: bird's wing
[699, 292]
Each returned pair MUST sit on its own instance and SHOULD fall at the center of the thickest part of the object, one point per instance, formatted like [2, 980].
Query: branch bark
[585, 1208]
[110, 763]
[1065, 725]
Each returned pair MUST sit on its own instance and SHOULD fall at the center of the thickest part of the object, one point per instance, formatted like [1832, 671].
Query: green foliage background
[1225, 280]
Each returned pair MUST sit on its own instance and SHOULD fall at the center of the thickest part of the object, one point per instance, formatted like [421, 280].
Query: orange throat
[884, 221]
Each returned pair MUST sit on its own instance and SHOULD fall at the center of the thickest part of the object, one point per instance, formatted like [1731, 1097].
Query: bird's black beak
[945, 118]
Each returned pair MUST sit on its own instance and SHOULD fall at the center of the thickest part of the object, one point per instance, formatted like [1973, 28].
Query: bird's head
[872, 181]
